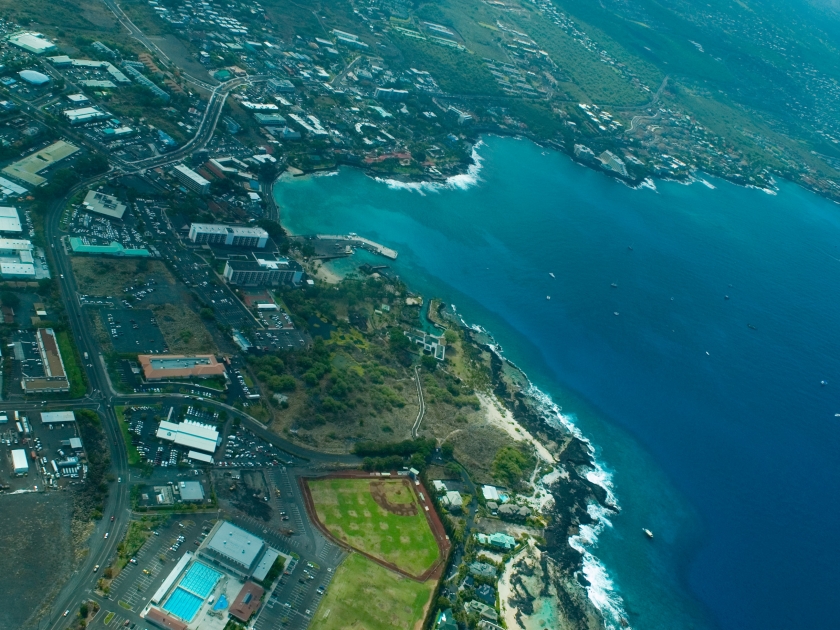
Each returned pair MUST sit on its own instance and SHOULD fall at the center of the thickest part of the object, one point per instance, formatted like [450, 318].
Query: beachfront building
[497, 541]
[611, 162]
[229, 235]
[482, 570]
[514, 512]
[483, 610]
[433, 344]
[262, 272]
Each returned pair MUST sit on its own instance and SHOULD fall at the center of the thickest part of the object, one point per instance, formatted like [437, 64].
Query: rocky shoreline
[546, 582]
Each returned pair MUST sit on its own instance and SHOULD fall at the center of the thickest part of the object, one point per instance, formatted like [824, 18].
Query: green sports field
[397, 533]
[366, 596]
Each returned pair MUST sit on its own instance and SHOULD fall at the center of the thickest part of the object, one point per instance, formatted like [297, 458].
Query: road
[100, 396]
[422, 411]
[137, 34]
[102, 399]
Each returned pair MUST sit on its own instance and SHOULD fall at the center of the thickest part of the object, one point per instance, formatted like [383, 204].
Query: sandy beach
[502, 418]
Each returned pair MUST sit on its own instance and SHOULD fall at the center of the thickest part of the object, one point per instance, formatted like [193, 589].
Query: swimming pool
[200, 580]
[183, 604]
[222, 603]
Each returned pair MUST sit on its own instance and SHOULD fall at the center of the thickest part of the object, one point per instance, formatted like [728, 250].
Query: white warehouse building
[20, 465]
[193, 435]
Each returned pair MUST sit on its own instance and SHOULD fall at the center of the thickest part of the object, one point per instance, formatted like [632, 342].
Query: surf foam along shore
[581, 505]
[462, 181]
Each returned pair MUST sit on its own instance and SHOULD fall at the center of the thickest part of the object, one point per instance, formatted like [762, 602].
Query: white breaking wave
[463, 181]
[601, 590]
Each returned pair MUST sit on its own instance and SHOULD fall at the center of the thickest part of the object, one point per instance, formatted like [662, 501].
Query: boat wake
[463, 181]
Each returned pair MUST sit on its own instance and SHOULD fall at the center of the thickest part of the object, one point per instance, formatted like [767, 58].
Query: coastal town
[213, 428]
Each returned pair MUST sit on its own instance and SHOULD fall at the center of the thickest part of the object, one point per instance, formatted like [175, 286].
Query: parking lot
[131, 589]
[134, 330]
[143, 422]
[56, 460]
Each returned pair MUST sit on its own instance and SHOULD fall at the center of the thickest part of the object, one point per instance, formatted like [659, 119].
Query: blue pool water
[221, 604]
[200, 579]
[182, 604]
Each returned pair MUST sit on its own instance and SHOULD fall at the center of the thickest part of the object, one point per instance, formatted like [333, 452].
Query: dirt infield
[432, 518]
[380, 495]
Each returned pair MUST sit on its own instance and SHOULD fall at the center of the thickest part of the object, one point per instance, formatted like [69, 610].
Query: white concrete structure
[194, 435]
[191, 179]
[32, 42]
[233, 235]
[85, 115]
[9, 219]
[103, 204]
[57, 417]
[20, 465]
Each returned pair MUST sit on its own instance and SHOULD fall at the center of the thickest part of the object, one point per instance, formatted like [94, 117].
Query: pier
[354, 240]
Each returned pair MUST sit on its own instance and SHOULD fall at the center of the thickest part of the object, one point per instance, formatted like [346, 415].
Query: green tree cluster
[511, 465]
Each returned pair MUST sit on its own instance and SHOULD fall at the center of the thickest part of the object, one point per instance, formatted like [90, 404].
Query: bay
[709, 412]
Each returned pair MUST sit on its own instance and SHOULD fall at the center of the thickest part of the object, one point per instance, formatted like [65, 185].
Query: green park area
[366, 595]
[381, 517]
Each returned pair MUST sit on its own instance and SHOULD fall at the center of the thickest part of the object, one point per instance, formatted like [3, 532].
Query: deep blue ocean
[719, 437]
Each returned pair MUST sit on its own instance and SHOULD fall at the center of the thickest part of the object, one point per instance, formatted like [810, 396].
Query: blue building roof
[33, 77]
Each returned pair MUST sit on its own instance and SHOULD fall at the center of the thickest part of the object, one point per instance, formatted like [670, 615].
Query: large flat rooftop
[156, 367]
[27, 169]
[236, 545]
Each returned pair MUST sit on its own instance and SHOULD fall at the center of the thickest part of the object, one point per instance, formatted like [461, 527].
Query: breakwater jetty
[328, 246]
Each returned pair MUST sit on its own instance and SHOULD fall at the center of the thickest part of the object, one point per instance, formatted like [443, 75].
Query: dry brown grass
[109, 276]
[183, 330]
[476, 447]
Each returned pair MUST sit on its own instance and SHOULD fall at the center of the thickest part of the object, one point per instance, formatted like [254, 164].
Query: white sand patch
[323, 272]
[500, 417]
[506, 590]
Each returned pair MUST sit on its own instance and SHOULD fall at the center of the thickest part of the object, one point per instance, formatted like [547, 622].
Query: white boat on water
[550, 274]
[647, 532]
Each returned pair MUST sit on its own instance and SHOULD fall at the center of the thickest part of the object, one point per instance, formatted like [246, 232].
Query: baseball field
[379, 517]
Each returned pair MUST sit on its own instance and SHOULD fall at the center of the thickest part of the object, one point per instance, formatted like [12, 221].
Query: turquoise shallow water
[719, 437]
